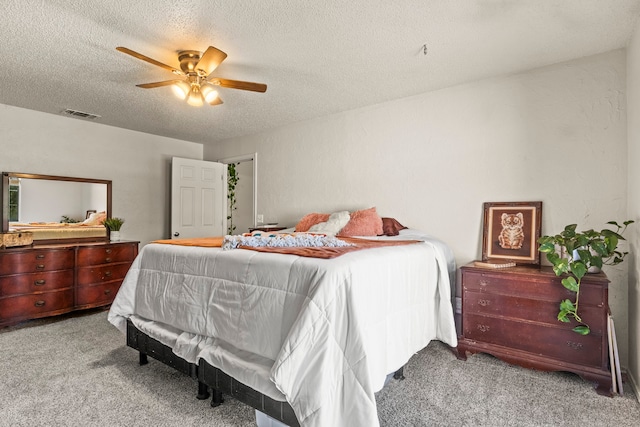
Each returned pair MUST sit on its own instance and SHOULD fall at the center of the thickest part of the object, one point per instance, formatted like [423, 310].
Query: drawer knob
[108, 251]
[574, 345]
[107, 274]
[40, 267]
[40, 282]
[40, 256]
[484, 283]
[107, 260]
[39, 303]
[483, 328]
[107, 291]
[484, 302]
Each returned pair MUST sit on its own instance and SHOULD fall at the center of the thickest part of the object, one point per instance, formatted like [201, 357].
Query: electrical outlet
[458, 305]
[260, 219]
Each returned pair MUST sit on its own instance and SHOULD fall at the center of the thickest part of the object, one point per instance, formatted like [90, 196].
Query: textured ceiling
[317, 56]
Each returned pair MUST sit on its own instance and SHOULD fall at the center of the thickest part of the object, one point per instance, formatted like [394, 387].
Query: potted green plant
[574, 254]
[113, 224]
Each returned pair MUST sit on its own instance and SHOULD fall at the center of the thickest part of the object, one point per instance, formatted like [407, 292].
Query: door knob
[176, 234]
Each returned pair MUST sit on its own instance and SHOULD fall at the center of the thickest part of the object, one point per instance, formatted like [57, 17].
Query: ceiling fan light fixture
[196, 67]
[181, 90]
[195, 97]
[209, 93]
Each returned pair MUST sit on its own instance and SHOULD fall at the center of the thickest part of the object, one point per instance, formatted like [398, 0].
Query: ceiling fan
[196, 84]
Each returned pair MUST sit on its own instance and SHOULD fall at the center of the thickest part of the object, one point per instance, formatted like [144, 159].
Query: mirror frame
[4, 215]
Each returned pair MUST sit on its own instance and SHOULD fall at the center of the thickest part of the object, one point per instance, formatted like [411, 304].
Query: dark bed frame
[211, 377]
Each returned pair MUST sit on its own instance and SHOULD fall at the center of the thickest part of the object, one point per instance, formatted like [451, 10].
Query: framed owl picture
[511, 232]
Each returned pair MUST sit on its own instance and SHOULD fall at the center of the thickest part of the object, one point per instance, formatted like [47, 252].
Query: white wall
[633, 126]
[137, 163]
[555, 134]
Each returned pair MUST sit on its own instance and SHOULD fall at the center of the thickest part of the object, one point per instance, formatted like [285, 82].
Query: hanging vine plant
[232, 181]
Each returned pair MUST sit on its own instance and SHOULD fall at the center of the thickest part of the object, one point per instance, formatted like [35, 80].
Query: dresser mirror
[55, 208]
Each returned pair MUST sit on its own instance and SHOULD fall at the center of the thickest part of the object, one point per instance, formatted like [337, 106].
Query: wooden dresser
[47, 280]
[511, 313]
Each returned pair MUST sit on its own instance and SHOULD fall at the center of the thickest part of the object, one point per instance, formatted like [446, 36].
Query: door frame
[245, 158]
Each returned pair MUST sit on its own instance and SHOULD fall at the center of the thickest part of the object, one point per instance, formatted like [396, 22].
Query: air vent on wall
[81, 114]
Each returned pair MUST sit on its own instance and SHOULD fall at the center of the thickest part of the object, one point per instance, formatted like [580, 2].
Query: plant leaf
[570, 283]
[582, 329]
[579, 269]
[560, 266]
[562, 316]
[567, 305]
[570, 230]
[600, 247]
[547, 247]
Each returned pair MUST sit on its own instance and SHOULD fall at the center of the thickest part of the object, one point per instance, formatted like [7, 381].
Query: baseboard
[631, 382]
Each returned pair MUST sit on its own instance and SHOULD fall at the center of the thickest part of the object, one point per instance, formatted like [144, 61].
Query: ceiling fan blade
[210, 60]
[159, 84]
[149, 60]
[237, 84]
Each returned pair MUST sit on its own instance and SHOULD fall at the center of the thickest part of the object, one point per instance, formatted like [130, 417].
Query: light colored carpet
[79, 372]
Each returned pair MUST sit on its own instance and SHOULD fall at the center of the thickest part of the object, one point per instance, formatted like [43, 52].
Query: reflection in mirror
[54, 207]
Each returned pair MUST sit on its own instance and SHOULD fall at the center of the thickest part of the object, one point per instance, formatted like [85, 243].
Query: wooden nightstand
[511, 313]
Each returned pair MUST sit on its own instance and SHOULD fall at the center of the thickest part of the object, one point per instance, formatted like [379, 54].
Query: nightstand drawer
[36, 305]
[96, 295]
[106, 254]
[545, 288]
[35, 282]
[104, 273]
[36, 260]
[535, 310]
[560, 344]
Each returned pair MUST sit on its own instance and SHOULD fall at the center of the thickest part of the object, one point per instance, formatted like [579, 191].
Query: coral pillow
[391, 227]
[366, 222]
[309, 220]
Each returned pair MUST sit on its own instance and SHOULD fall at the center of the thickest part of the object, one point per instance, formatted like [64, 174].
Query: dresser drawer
[106, 254]
[536, 310]
[35, 282]
[97, 295]
[102, 273]
[546, 287]
[36, 260]
[558, 343]
[36, 305]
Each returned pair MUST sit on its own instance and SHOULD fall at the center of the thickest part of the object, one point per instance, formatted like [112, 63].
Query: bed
[314, 336]
[91, 227]
[50, 231]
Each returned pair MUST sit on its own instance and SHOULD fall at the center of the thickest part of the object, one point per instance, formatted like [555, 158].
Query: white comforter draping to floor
[322, 334]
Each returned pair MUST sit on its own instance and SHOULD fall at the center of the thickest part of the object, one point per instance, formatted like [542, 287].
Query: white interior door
[198, 198]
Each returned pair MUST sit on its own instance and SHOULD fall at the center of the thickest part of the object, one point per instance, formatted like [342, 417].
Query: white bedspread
[322, 334]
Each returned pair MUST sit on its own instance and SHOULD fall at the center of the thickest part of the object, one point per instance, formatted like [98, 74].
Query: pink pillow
[366, 222]
[310, 220]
